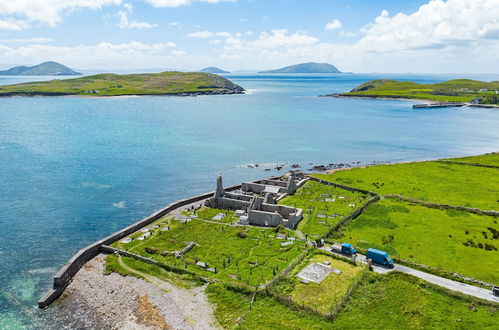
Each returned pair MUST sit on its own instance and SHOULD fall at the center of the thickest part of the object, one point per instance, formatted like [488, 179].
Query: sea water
[75, 169]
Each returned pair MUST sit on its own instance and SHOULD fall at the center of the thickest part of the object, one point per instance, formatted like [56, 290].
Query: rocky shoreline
[193, 93]
[429, 102]
[113, 301]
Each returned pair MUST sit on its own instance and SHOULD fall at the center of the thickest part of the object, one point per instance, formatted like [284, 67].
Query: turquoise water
[74, 169]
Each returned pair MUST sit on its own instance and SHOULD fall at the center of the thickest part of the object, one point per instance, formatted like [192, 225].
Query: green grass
[252, 260]
[324, 296]
[233, 310]
[430, 181]
[131, 84]
[398, 301]
[179, 280]
[208, 213]
[487, 159]
[431, 237]
[449, 91]
[310, 198]
[392, 301]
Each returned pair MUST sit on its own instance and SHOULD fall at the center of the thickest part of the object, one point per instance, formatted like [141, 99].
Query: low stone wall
[465, 163]
[342, 186]
[443, 206]
[110, 250]
[352, 215]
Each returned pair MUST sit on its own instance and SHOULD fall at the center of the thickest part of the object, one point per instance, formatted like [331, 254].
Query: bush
[242, 234]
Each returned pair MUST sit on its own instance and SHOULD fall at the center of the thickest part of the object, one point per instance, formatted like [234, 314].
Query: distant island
[108, 84]
[310, 67]
[213, 69]
[43, 69]
[464, 91]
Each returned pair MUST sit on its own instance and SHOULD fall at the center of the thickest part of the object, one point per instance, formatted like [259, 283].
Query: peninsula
[108, 84]
[305, 251]
[310, 67]
[43, 69]
[462, 91]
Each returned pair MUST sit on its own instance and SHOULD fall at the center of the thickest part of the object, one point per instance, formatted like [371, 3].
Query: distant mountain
[212, 69]
[43, 69]
[310, 67]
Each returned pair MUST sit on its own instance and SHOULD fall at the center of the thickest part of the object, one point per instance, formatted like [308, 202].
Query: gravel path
[117, 302]
[468, 289]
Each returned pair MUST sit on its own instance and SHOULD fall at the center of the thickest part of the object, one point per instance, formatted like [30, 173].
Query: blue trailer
[379, 257]
[345, 248]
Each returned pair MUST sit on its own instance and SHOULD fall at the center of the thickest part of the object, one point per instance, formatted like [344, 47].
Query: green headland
[108, 84]
[251, 272]
[457, 90]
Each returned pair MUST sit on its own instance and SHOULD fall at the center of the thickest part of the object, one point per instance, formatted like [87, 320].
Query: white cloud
[208, 34]
[27, 40]
[104, 55]
[281, 38]
[171, 44]
[344, 33]
[435, 25]
[13, 24]
[126, 23]
[179, 53]
[177, 24]
[178, 3]
[48, 11]
[201, 34]
[333, 25]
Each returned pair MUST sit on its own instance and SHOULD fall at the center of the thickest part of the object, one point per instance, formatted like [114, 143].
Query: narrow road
[468, 289]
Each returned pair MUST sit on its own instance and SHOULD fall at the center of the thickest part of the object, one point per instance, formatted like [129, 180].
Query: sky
[418, 36]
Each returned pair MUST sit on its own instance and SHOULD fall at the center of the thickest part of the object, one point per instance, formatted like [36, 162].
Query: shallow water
[75, 169]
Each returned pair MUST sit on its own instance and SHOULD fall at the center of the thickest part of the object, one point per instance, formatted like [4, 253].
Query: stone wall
[258, 188]
[352, 215]
[275, 183]
[443, 206]
[342, 186]
[262, 218]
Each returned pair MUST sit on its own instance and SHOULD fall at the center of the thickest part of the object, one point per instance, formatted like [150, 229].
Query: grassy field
[393, 301]
[114, 264]
[487, 159]
[324, 296]
[233, 310]
[430, 181]
[447, 239]
[320, 215]
[108, 84]
[208, 213]
[250, 255]
[398, 301]
[457, 90]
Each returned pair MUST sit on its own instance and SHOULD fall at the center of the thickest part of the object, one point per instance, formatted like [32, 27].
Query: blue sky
[450, 36]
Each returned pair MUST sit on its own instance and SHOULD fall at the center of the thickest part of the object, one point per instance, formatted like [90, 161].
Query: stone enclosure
[257, 202]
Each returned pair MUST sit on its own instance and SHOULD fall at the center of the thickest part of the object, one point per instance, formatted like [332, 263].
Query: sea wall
[69, 270]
